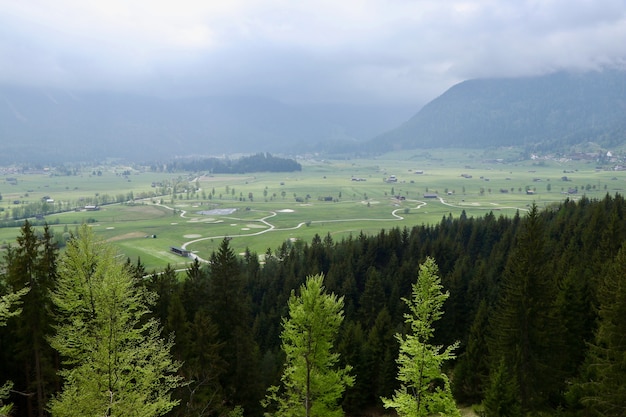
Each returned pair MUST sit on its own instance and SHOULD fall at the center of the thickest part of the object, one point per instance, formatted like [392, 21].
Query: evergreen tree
[525, 332]
[32, 263]
[116, 364]
[229, 308]
[424, 389]
[501, 399]
[604, 391]
[311, 384]
[472, 369]
[351, 347]
[8, 302]
[381, 351]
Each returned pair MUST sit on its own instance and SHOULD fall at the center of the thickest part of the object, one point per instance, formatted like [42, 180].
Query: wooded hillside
[535, 301]
[548, 113]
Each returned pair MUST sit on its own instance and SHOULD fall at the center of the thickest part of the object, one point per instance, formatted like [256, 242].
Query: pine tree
[8, 304]
[116, 363]
[425, 389]
[501, 399]
[32, 263]
[472, 368]
[229, 308]
[604, 392]
[311, 384]
[525, 332]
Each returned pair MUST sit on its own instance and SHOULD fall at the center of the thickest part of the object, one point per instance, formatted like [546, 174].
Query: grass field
[261, 211]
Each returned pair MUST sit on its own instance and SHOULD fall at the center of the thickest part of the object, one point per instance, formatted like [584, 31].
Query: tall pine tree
[604, 391]
[525, 334]
[229, 308]
[8, 308]
[32, 263]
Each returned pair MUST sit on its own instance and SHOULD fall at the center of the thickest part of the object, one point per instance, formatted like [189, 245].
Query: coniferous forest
[536, 302]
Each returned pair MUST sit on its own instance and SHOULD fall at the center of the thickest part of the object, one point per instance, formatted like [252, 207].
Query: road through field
[272, 227]
[442, 201]
[266, 220]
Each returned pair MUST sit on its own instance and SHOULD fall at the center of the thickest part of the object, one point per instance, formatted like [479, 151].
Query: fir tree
[525, 332]
[32, 263]
[604, 391]
[229, 308]
[8, 304]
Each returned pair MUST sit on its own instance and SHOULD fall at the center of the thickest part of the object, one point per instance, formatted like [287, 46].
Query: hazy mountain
[554, 111]
[548, 112]
[53, 125]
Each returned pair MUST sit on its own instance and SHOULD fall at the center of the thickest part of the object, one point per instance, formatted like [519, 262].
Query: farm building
[180, 252]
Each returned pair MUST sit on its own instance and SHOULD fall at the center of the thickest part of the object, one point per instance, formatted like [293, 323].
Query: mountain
[43, 125]
[546, 112]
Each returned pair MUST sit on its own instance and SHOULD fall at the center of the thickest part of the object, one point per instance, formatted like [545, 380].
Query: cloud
[322, 50]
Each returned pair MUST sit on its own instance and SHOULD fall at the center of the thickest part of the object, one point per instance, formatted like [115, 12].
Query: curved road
[270, 227]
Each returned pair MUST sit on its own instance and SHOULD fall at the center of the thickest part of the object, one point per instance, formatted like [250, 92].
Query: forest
[260, 162]
[535, 307]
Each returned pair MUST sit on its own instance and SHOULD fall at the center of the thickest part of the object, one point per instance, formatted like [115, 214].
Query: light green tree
[424, 388]
[8, 302]
[311, 383]
[116, 364]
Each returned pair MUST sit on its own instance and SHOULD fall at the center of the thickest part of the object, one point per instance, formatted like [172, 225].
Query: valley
[146, 213]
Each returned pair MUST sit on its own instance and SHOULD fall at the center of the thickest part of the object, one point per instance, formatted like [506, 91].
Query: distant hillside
[55, 126]
[549, 112]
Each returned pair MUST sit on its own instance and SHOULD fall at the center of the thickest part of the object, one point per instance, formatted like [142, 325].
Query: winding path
[271, 227]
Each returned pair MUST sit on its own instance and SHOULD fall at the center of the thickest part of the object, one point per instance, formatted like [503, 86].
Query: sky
[371, 52]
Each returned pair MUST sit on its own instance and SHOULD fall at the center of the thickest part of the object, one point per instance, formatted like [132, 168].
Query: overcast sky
[366, 51]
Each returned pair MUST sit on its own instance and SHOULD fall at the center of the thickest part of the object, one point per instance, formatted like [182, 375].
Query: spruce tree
[604, 391]
[472, 369]
[502, 396]
[116, 363]
[424, 387]
[32, 263]
[524, 329]
[8, 308]
[229, 308]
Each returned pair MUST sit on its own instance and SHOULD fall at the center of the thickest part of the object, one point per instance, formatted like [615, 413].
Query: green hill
[548, 112]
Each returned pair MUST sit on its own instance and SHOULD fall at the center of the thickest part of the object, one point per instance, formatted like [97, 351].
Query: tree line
[532, 316]
[260, 162]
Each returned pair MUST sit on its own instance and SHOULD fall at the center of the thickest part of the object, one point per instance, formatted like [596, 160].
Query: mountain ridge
[550, 112]
[557, 110]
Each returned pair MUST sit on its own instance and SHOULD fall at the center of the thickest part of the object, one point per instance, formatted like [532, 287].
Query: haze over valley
[140, 81]
[554, 113]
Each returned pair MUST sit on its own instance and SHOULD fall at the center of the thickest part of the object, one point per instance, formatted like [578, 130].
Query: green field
[291, 206]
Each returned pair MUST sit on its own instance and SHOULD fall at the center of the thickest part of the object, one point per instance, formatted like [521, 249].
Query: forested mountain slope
[535, 302]
[555, 111]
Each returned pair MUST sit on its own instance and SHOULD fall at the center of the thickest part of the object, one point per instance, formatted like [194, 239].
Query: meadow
[260, 211]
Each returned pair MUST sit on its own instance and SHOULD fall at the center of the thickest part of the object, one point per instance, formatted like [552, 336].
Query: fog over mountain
[141, 79]
[47, 125]
[554, 111]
